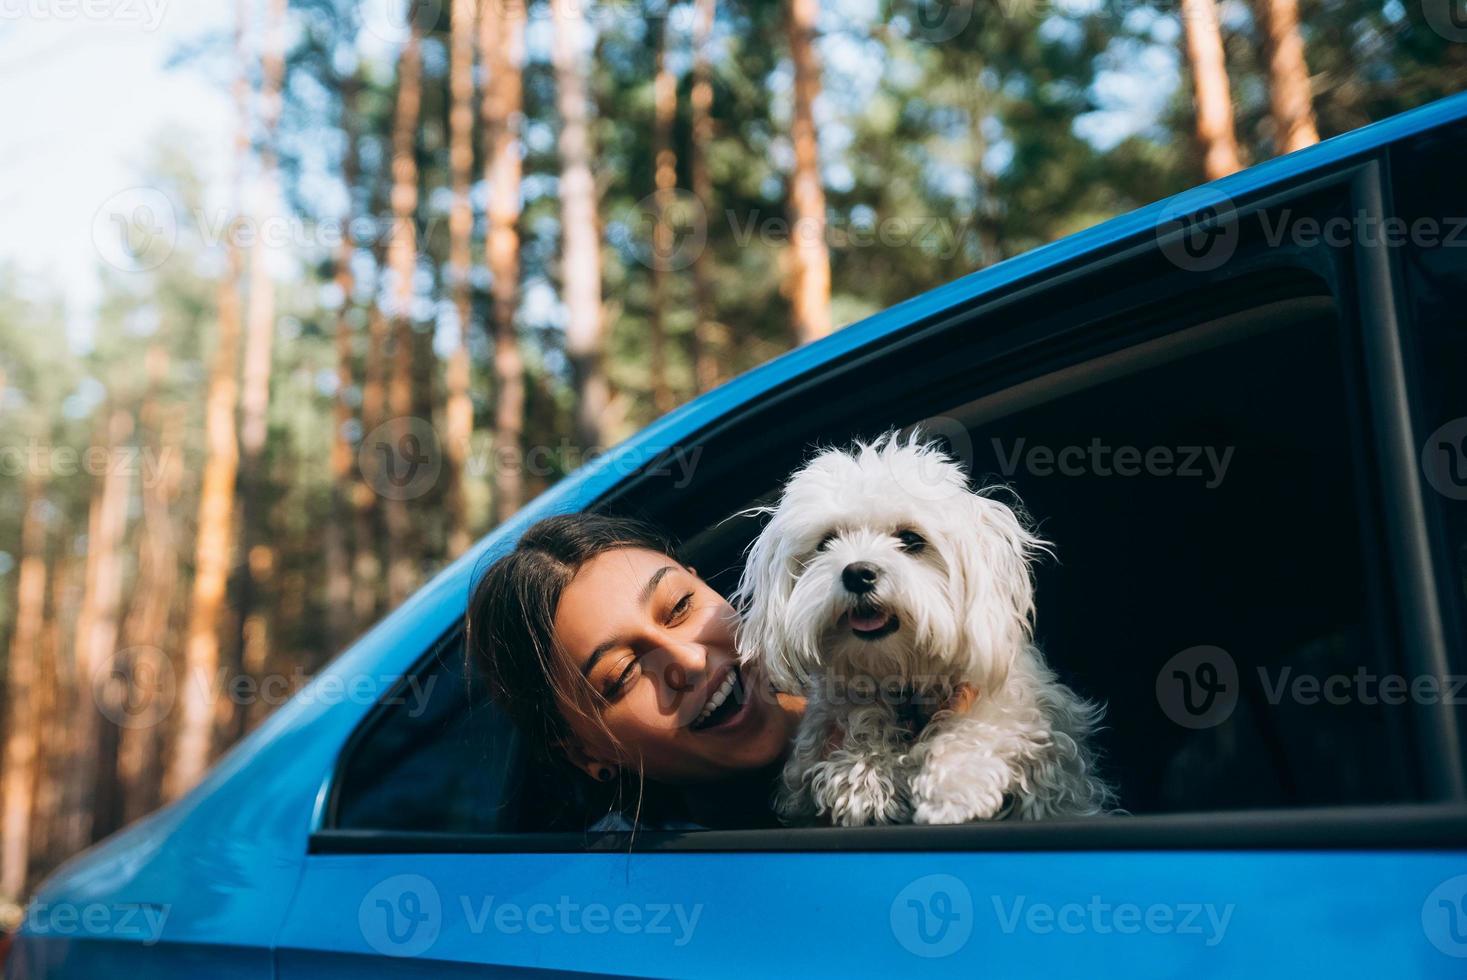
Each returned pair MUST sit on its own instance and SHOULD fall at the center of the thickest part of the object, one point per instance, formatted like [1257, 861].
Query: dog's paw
[938, 812]
[956, 790]
[857, 793]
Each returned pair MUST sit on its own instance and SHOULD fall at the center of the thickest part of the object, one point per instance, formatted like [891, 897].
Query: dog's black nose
[859, 577]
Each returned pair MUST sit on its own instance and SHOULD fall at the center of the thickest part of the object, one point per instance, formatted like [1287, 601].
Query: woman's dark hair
[510, 629]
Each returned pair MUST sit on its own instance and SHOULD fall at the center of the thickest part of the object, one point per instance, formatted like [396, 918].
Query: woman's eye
[911, 541]
[681, 609]
[627, 675]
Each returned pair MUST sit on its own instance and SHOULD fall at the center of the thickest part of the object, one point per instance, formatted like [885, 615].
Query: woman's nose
[679, 670]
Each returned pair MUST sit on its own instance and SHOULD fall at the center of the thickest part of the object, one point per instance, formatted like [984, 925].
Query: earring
[604, 774]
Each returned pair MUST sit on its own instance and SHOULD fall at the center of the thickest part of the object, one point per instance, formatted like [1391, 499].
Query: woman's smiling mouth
[725, 705]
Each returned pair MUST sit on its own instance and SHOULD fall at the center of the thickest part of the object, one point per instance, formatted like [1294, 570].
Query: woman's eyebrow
[643, 598]
[651, 586]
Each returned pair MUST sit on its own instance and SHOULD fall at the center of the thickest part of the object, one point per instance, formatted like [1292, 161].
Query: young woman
[617, 662]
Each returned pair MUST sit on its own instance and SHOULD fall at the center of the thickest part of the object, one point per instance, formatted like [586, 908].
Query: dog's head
[880, 560]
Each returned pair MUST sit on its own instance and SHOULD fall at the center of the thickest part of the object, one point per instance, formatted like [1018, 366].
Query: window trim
[1412, 551]
[1415, 826]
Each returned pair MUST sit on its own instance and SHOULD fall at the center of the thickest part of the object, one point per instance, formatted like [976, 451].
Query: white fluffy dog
[882, 582]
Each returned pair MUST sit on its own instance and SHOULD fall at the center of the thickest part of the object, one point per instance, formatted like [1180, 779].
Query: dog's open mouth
[871, 622]
[724, 704]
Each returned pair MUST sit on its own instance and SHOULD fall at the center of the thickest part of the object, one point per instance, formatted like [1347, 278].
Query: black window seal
[1412, 551]
[1426, 826]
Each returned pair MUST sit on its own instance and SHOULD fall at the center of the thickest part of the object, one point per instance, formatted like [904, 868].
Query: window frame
[1371, 287]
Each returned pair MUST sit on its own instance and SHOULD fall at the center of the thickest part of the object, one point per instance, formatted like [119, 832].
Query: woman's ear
[601, 770]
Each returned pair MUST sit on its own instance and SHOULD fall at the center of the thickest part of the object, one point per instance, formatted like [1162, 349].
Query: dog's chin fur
[963, 598]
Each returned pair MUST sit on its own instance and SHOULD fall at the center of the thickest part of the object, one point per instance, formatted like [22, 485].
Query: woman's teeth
[719, 696]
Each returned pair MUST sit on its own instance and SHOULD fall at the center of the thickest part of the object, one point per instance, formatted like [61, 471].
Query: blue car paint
[229, 860]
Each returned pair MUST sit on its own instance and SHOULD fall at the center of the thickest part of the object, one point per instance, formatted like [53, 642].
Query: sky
[84, 91]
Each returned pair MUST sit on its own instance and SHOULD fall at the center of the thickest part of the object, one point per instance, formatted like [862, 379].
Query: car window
[435, 756]
[1218, 576]
[1222, 579]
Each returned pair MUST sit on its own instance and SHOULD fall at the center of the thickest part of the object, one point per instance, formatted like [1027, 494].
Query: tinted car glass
[1218, 577]
[436, 757]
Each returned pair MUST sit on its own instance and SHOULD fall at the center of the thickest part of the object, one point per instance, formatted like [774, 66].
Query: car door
[1233, 415]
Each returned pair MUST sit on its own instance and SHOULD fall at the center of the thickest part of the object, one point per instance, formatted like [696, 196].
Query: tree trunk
[198, 686]
[810, 259]
[258, 552]
[148, 628]
[585, 338]
[1211, 94]
[366, 558]
[502, 41]
[458, 426]
[49, 845]
[94, 728]
[705, 361]
[664, 110]
[339, 544]
[22, 730]
[1290, 101]
[402, 259]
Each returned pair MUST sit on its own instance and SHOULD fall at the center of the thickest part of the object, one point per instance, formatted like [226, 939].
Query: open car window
[1208, 467]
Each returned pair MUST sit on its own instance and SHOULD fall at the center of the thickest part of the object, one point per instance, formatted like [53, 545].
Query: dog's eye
[825, 541]
[911, 541]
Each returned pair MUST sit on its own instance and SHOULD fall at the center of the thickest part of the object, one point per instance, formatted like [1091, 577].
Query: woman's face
[656, 647]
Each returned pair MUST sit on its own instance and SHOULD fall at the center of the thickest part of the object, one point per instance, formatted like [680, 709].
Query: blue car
[1240, 414]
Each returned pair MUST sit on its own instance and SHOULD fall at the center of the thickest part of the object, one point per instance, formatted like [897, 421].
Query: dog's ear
[995, 586]
[762, 600]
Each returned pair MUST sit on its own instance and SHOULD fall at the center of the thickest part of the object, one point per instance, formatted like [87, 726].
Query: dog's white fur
[964, 603]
